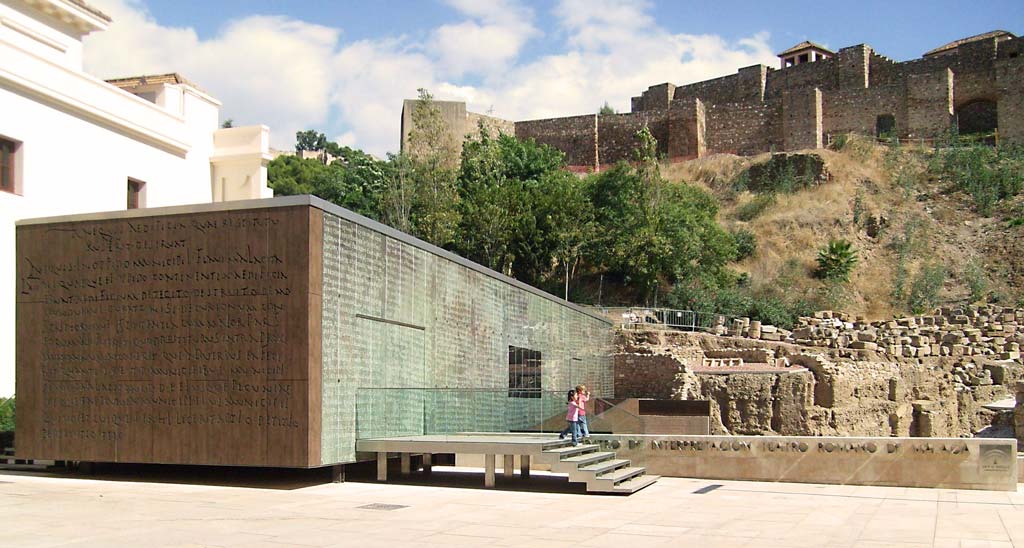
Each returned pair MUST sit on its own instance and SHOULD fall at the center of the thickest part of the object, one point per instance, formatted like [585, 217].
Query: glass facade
[416, 341]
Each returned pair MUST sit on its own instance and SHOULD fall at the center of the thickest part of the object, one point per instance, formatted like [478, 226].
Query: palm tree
[836, 260]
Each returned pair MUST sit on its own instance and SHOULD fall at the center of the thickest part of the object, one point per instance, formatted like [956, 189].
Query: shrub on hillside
[987, 174]
[755, 207]
[734, 300]
[746, 243]
[836, 260]
[924, 291]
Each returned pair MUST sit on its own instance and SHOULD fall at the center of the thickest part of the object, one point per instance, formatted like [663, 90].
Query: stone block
[754, 331]
[864, 345]
[997, 372]
[867, 336]
[802, 333]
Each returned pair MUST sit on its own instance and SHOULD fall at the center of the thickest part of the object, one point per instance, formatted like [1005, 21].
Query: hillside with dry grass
[920, 239]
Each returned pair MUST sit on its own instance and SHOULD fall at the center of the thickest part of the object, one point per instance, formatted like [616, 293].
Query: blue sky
[344, 67]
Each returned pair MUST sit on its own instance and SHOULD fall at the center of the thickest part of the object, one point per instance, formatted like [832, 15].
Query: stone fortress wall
[825, 378]
[760, 109]
[460, 122]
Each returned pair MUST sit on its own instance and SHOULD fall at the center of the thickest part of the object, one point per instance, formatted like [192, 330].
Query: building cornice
[79, 15]
[92, 99]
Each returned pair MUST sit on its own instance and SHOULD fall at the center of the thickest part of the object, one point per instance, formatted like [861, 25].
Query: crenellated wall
[759, 109]
[576, 136]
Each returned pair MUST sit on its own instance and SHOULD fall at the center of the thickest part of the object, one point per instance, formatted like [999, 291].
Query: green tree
[354, 182]
[520, 212]
[836, 260]
[431, 204]
[606, 109]
[7, 417]
[399, 193]
[649, 230]
[311, 140]
[229, 123]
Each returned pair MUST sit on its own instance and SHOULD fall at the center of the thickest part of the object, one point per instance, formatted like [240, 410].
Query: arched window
[977, 117]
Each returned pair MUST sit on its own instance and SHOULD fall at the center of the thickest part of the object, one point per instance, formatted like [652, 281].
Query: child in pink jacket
[572, 416]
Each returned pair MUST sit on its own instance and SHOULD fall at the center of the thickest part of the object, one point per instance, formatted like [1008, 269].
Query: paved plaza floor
[266, 509]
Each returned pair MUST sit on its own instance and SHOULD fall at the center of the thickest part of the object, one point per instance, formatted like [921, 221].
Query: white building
[72, 143]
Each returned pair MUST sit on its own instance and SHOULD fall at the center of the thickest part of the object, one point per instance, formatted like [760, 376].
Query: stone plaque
[169, 339]
[996, 458]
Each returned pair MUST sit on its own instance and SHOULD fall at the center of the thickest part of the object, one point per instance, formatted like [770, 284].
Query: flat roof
[321, 204]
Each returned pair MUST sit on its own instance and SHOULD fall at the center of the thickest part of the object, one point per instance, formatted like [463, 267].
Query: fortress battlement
[975, 84]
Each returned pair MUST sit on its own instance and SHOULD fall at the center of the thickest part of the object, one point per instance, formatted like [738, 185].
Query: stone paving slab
[40, 510]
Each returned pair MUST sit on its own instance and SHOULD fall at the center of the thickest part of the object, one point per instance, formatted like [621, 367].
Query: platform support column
[428, 462]
[406, 464]
[382, 466]
[338, 473]
[524, 466]
[508, 469]
[489, 470]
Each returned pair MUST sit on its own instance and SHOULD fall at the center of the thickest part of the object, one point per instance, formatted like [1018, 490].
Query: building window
[9, 165]
[803, 58]
[524, 372]
[136, 194]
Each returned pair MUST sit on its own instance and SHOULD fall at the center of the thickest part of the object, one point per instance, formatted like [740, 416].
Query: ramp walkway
[600, 470]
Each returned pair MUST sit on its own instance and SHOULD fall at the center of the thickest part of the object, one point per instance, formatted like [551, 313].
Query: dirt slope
[900, 221]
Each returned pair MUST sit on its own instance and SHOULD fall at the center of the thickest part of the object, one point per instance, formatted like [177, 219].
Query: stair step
[570, 450]
[605, 466]
[622, 474]
[590, 458]
[635, 484]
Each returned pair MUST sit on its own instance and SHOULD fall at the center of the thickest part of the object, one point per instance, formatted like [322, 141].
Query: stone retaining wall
[948, 463]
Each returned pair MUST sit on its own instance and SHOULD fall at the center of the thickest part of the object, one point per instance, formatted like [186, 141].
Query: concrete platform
[56, 510]
[469, 443]
[600, 470]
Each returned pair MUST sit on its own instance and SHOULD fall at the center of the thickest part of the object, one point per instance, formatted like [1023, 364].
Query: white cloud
[494, 35]
[270, 70]
[616, 51]
[294, 75]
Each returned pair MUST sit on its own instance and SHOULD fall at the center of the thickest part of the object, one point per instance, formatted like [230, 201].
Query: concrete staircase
[600, 470]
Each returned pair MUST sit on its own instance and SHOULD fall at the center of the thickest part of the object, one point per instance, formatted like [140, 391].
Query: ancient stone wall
[828, 381]
[645, 376]
[492, 124]
[760, 109]
[576, 136]
[617, 138]
[748, 127]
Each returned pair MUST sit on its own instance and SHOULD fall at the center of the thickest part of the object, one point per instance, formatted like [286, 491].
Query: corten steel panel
[170, 339]
[675, 408]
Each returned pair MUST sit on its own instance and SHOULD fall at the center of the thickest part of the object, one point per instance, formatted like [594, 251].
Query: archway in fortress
[885, 125]
[977, 117]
